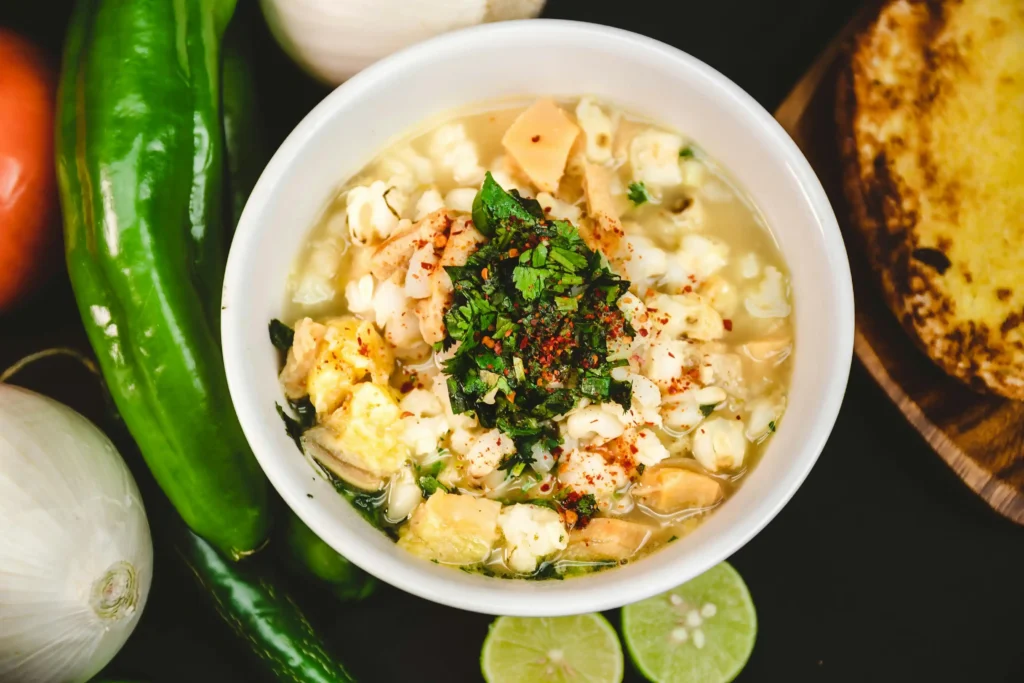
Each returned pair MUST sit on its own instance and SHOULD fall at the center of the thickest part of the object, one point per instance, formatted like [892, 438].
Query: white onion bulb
[335, 39]
[76, 557]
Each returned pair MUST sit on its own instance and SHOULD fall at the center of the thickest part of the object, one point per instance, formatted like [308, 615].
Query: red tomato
[29, 211]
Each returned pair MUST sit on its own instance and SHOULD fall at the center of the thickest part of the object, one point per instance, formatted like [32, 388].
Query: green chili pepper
[243, 127]
[265, 619]
[139, 158]
[313, 559]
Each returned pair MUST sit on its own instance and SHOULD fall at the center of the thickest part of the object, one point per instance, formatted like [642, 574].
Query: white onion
[76, 557]
[335, 39]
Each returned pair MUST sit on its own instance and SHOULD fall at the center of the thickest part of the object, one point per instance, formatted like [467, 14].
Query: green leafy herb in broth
[638, 194]
[281, 336]
[532, 314]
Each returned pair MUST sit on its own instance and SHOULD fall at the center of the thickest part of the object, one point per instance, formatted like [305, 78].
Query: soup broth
[538, 340]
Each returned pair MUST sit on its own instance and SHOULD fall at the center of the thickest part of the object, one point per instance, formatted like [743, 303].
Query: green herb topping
[583, 508]
[686, 153]
[533, 312]
[428, 481]
[281, 336]
[638, 194]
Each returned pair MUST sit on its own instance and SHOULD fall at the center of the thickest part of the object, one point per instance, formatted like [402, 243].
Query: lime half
[579, 649]
[700, 632]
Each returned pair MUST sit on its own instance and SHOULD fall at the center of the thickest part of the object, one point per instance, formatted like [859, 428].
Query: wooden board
[981, 437]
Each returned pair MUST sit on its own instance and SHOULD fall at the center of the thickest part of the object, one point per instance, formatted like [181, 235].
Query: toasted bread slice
[931, 114]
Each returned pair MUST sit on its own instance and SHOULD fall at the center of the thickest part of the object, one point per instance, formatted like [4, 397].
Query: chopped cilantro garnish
[529, 281]
[281, 336]
[686, 153]
[547, 570]
[430, 486]
[567, 303]
[707, 409]
[586, 505]
[427, 479]
[638, 194]
[303, 407]
[771, 427]
[640, 468]
[533, 312]
[291, 426]
[529, 483]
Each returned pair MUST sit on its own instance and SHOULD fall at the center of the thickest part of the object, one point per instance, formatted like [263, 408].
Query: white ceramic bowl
[522, 59]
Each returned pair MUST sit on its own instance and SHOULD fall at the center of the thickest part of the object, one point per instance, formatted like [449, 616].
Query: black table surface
[884, 567]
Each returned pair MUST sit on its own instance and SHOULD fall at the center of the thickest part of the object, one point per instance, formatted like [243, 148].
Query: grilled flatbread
[931, 119]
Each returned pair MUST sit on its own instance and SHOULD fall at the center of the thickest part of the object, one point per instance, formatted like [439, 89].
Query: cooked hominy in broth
[539, 340]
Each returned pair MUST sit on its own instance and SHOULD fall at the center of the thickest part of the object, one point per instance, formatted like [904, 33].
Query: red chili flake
[545, 488]
[407, 386]
[687, 289]
[535, 138]
[727, 324]
[643, 332]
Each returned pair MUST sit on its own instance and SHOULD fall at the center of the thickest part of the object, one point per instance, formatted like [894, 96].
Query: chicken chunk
[452, 529]
[301, 357]
[539, 141]
[361, 442]
[394, 253]
[349, 351]
[605, 233]
[460, 244]
[671, 489]
[487, 452]
[598, 472]
[606, 538]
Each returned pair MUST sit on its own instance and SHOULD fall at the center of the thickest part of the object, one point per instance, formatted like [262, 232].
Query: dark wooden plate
[981, 437]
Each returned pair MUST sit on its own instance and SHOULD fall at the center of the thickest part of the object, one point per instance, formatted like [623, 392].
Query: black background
[884, 567]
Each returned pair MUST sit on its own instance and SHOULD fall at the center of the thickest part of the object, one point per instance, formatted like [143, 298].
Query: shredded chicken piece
[462, 241]
[301, 357]
[394, 253]
[604, 233]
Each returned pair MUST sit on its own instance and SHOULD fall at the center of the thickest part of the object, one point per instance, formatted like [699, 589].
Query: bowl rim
[412, 578]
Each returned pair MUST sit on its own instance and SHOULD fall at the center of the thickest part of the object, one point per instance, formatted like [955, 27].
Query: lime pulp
[700, 632]
[577, 649]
